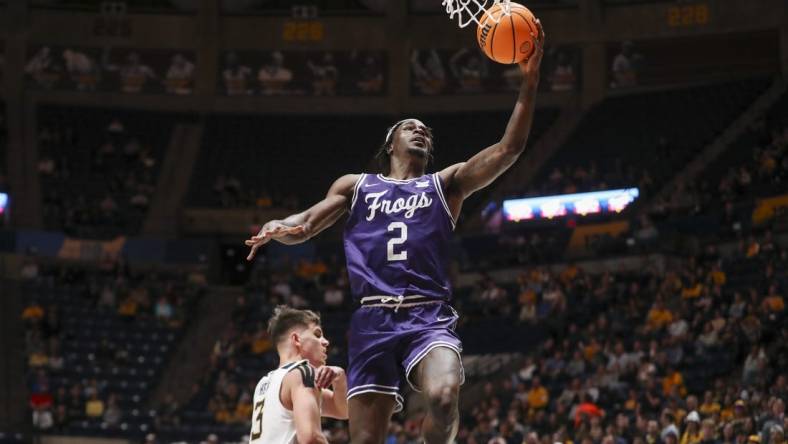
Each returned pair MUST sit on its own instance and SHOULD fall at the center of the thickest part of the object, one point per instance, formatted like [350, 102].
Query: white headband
[392, 129]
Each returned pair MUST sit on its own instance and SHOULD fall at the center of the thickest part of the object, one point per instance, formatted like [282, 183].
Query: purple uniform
[397, 247]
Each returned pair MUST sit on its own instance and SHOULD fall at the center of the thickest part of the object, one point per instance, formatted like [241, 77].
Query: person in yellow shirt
[590, 351]
[774, 302]
[631, 405]
[737, 414]
[527, 296]
[692, 433]
[538, 397]
[569, 273]
[33, 312]
[753, 248]
[243, 409]
[692, 291]
[673, 379]
[221, 413]
[94, 408]
[718, 277]
[658, 317]
[709, 406]
[128, 308]
[261, 343]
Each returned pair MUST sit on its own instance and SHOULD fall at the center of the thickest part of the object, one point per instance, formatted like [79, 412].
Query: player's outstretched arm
[335, 399]
[306, 409]
[302, 226]
[463, 179]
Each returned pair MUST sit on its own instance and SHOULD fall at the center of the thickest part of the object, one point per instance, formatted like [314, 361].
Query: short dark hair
[285, 318]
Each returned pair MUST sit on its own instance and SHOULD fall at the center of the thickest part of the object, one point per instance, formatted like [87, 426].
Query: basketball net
[471, 11]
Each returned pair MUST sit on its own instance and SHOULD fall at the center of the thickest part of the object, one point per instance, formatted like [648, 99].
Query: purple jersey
[397, 237]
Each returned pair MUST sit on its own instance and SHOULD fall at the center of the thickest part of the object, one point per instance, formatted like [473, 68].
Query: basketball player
[289, 401]
[397, 247]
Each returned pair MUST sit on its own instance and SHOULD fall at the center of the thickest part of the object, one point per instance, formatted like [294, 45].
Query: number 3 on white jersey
[403, 236]
[257, 420]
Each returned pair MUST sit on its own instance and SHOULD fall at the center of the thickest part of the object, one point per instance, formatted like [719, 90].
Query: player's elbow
[512, 148]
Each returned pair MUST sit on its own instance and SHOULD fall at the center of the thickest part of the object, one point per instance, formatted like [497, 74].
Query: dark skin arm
[463, 179]
[303, 226]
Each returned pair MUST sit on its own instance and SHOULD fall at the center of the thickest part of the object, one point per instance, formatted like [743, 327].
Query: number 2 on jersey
[257, 425]
[403, 236]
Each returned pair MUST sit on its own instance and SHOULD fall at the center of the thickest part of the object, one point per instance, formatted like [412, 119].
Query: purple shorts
[384, 345]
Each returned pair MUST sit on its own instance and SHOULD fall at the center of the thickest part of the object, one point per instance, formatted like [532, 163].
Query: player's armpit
[482, 169]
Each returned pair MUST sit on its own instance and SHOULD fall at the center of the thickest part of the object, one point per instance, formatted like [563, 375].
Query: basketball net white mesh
[471, 11]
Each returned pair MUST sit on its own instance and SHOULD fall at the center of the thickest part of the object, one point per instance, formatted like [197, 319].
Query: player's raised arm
[335, 399]
[306, 408]
[463, 179]
[302, 226]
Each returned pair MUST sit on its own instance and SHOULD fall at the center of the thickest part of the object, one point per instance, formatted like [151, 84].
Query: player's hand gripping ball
[511, 40]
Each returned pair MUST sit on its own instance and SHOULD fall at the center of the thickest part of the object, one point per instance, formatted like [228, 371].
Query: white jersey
[272, 423]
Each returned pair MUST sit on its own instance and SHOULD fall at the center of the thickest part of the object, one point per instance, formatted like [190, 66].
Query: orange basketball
[511, 39]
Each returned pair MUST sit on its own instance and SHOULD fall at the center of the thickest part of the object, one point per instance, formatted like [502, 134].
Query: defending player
[289, 401]
[397, 248]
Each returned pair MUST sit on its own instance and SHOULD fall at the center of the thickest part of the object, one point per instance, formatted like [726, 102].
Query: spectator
[167, 412]
[333, 297]
[692, 433]
[135, 74]
[29, 270]
[777, 435]
[42, 418]
[538, 397]
[708, 433]
[274, 78]
[429, 77]
[164, 310]
[94, 407]
[563, 77]
[710, 406]
[371, 77]
[469, 69]
[625, 66]
[33, 313]
[42, 68]
[180, 75]
[325, 75]
[673, 380]
[774, 418]
[754, 366]
[587, 410]
[82, 68]
[658, 316]
[112, 413]
[236, 76]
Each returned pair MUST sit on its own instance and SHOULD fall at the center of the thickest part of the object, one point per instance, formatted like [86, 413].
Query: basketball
[511, 39]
